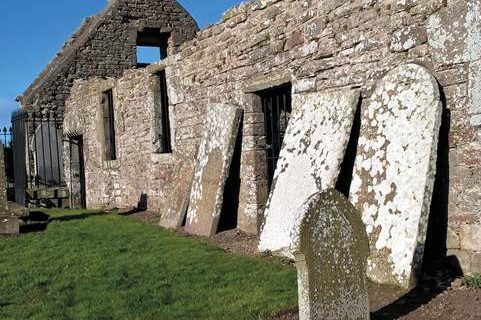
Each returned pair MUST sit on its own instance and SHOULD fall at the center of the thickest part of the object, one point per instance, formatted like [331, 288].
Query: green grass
[473, 281]
[110, 267]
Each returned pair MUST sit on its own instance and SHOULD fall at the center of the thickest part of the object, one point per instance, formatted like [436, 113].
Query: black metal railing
[6, 139]
[6, 136]
[37, 151]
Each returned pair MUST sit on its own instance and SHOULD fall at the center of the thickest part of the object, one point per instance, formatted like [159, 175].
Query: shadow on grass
[81, 216]
[37, 221]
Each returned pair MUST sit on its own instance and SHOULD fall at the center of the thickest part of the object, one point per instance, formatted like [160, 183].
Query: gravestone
[9, 224]
[174, 212]
[3, 182]
[310, 161]
[395, 169]
[331, 260]
[212, 168]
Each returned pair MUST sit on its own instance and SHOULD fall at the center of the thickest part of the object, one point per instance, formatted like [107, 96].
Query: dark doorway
[77, 173]
[230, 204]
[277, 108]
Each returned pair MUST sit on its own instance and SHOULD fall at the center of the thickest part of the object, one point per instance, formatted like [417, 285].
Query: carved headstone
[395, 169]
[310, 160]
[331, 260]
[212, 168]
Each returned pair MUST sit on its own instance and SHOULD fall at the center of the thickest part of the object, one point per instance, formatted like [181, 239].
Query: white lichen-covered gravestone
[310, 160]
[212, 168]
[395, 169]
[331, 259]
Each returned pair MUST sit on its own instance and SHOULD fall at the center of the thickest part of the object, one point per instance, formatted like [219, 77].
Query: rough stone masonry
[315, 46]
[105, 46]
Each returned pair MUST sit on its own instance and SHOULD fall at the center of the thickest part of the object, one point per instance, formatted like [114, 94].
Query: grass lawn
[94, 266]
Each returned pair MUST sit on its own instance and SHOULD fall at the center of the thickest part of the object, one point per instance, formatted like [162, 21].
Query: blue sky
[32, 31]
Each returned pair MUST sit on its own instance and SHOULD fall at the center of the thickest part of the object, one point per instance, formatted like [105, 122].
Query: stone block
[331, 260]
[462, 260]
[9, 225]
[470, 237]
[452, 241]
[453, 33]
[476, 263]
[309, 161]
[212, 168]
[395, 169]
[407, 38]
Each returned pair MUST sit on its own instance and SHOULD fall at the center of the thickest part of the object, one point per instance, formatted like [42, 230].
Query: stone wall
[316, 45]
[105, 45]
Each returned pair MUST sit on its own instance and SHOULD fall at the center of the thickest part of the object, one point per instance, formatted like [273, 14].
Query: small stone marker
[9, 225]
[212, 168]
[331, 260]
[395, 169]
[310, 160]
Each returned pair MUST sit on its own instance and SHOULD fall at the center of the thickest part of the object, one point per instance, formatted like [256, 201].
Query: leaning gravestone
[174, 212]
[394, 171]
[331, 259]
[212, 168]
[310, 160]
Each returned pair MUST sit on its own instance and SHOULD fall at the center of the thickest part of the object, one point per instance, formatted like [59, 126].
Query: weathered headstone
[3, 182]
[395, 169]
[331, 259]
[9, 224]
[212, 168]
[174, 213]
[310, 160]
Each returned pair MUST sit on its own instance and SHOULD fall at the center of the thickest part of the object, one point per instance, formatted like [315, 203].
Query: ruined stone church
[235, 126]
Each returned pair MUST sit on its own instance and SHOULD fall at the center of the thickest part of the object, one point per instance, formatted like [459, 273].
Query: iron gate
[37, 152]
[6, 139]
[277, 108]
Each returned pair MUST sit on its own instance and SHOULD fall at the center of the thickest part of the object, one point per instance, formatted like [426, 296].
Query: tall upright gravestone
[331, 259]
[3, 182]
[395, 169]
[310, 161]
[9, 223]
[212, 168]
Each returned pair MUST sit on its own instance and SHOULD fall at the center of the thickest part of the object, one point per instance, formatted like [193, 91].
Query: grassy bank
[96, 266]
